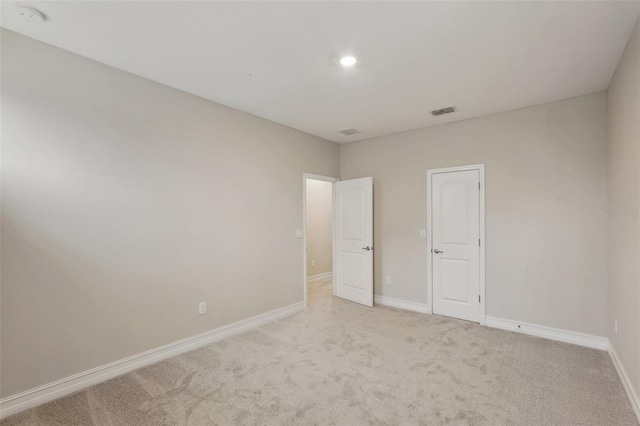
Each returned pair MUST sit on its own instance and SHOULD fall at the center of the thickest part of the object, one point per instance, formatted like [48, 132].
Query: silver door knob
[436, 251]
[367, 248]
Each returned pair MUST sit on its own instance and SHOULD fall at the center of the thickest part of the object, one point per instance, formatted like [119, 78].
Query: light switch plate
[298, 233]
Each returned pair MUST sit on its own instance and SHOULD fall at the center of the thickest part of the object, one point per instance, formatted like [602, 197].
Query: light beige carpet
[338, 363]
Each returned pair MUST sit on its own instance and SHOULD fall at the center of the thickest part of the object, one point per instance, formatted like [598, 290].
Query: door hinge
[478, 242]
[478, 186]
[478, 298]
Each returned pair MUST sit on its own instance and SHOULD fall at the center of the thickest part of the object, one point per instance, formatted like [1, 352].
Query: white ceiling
[279, 60]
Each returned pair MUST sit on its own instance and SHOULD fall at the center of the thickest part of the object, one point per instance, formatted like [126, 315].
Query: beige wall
[319, 227]
[545, 202]
[624, 199]
[125, 203]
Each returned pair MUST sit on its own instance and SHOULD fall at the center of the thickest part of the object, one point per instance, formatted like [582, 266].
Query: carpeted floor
[338, 363]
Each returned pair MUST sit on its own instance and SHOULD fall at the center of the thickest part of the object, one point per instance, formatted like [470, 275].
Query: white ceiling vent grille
[443, 111]
[349, 132]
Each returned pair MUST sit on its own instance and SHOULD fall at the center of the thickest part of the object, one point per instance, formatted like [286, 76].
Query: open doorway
[318, 213]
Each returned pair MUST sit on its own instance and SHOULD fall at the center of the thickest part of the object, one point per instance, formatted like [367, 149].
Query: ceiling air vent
[443, 111]
[349, 132]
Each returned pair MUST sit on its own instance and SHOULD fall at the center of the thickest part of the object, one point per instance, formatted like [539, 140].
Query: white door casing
[455, 249]
[354, 240]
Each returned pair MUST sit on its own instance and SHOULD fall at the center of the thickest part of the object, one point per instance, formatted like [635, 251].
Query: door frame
[331, 179]
[430, 173]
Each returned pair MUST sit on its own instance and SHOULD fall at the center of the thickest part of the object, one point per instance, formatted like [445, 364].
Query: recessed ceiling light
[348, 61]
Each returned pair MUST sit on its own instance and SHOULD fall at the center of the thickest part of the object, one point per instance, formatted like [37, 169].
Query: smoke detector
[443, 111]
[31, 14]
[349, 132]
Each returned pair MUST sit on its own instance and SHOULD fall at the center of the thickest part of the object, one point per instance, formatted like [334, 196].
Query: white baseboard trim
[320, 277]
[33, 397]
[402, 304]
[626, 382]
[581, 339]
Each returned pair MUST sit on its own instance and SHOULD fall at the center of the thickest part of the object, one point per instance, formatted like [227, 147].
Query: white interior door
[455, 210]
[354, 240]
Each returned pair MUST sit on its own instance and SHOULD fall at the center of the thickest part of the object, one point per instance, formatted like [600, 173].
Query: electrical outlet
[299, 233]
[313, 263]
[387, 280]
[615, 325]
[423, 233]
[202, 308]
